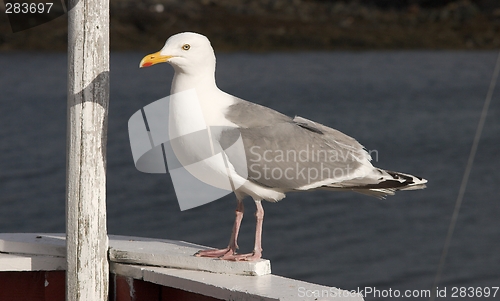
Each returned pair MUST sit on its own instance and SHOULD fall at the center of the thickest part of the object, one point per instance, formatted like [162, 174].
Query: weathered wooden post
[87, 273]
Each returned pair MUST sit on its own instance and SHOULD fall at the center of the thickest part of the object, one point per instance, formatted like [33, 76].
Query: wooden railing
[32, 267]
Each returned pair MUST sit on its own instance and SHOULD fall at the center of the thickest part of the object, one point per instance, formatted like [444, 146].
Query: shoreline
[280, 25]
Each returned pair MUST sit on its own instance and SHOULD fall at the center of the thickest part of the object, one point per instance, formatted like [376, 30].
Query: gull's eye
[186, 47]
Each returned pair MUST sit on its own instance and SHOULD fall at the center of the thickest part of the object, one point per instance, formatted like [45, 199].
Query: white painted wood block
[179, 254]
[33, 243]
[235, 287]
[226, 280]
[17, 262]
[136, 250]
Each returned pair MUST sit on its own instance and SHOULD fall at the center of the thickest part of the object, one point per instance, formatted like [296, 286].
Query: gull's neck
[201, 82]
[210, 99]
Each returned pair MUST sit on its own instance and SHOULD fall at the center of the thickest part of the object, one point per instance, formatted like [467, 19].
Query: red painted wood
[111, 287]
[50, 286]
[55, 285]
[122, 289]
[146, 291]
[22, 286]
[140, 290]
[30, 286]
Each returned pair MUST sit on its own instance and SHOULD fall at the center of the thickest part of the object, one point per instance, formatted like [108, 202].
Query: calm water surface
[417, 110]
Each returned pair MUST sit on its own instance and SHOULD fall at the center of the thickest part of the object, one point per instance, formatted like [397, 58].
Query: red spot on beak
[147, 64]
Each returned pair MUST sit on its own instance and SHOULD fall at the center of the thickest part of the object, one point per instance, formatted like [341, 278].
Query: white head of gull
[281, 152]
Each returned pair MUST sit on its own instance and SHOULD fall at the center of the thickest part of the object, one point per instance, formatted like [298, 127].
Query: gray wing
[292, 153]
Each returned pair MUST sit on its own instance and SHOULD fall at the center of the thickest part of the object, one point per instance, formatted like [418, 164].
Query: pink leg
[233, 241]
[257, 250]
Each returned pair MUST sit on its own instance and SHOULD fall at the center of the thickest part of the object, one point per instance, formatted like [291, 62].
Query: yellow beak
[154, 58]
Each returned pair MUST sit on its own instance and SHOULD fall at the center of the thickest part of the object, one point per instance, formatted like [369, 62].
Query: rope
[465, 178]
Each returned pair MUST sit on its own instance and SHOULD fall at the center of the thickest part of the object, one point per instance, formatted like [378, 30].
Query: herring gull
[282, 154]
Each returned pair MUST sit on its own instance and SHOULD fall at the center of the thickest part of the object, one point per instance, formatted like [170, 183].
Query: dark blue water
[417, 110]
